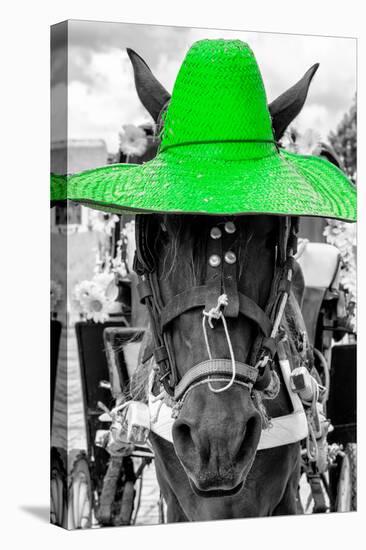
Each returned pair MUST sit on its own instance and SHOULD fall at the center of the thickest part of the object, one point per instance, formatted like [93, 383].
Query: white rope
[216, 313]
[311, 445]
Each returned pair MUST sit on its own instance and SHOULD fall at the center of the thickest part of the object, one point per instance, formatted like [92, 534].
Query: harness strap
[317, 492]
[213, 276]
[280, 289]
[253, 311]
[284, 232]
[160, 354]
[196, 297]
[144, 261]
[144, 290]
[229, 277]
[270, 344]
[216, 367]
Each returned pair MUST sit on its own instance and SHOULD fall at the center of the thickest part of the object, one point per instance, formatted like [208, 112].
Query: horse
[213, 469]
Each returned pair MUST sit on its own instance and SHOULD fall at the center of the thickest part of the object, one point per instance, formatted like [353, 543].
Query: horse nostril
[185, 440]
[253, 426]
[182, 434]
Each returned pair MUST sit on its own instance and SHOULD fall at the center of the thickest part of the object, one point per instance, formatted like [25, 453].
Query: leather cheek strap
[213, 279]
[230, 276]
[160, 350]
[144, 290]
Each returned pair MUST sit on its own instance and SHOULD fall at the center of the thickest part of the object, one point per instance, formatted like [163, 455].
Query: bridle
[221, 279]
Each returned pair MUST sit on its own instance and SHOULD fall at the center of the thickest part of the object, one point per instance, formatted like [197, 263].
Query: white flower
[132, 140]
[91, 301]
[110, 224]
[306, 144]
[98, 221]
[96, 308]
[119, 267]
[309, 143]
[103, 279]
[56, 294]
[82, 291]
[106, 282]
[94, 298]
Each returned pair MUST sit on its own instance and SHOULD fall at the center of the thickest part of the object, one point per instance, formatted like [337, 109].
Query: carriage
[333, 483]
[94, 487]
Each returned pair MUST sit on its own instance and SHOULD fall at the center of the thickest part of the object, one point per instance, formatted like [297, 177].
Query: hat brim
[279, 184]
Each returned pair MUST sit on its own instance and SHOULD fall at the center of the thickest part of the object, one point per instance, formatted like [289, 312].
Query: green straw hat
[218, 154]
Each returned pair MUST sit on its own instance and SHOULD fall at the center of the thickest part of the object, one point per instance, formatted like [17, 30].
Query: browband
[196, 297]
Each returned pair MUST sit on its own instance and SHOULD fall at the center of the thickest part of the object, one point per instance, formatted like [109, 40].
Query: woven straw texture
[217, 154]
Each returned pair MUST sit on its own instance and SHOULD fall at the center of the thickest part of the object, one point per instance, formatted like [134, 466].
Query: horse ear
[289, 104]
[152, 94]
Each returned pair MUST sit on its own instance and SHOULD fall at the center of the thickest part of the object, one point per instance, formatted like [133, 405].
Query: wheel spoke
[345, 487]
[80, 495]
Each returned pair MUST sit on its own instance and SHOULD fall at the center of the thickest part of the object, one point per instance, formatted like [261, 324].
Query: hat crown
[218, 96]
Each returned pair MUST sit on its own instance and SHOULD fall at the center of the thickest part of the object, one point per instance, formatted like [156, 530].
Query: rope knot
[215, 312]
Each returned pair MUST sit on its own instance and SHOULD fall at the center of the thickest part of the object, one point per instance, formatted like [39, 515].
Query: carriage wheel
[80, 495]
[347, 484]
[161, 509]
[58, 490]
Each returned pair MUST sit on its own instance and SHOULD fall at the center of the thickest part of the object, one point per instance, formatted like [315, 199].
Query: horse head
[194, 259]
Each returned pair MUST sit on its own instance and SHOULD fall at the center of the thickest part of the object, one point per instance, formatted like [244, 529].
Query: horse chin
[216, 493]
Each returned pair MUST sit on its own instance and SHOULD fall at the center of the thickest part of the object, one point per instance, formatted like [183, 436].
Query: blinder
[206, 296]
[144, 261]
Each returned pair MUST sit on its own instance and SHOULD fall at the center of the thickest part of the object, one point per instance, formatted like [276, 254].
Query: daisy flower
[132, 140]
[106, 282]
[91, 301]
[307, 143]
